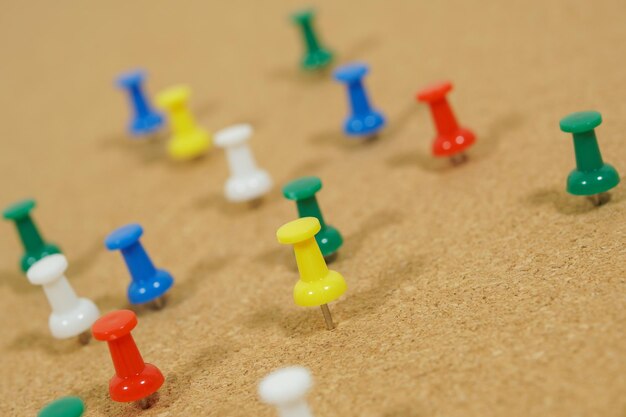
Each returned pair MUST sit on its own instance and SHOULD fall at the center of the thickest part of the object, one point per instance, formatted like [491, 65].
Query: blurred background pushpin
[315, 55]
[303, 191]
[592, 177]
[63, 407]
[134, 380]
[188, 140]
[35, 247]
[247, 182]
[318, 285]
[286, 389]
[145, 120]
[363, 121]
[452, 140]
[71, 316]
[148, 284]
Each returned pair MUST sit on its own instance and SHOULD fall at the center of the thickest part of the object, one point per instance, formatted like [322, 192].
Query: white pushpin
[286, 389]
[247, 182]
[71, 316]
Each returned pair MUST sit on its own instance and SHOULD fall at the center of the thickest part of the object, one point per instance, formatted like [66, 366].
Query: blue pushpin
[145, 120]
[364, 120]
[148, 283]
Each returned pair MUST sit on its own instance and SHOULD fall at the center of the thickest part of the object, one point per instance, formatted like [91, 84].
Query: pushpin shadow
[338, 140]
[35, 340]
[298, 76]
[217, 201]
[291, 322]
[81, 264]
[366, 302]
[488, 143]
[17, 282]
[372, 225]
[565, 203]
[201, 274]
[360, 48]
[147, 150]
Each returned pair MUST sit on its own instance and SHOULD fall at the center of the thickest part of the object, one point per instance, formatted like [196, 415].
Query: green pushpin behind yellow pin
[63, 407]
[592, 177]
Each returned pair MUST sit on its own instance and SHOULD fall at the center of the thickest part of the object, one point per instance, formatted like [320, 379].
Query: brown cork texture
[479, 290]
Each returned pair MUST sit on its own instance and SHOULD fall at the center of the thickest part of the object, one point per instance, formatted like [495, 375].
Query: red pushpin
[452, 140]
[134, 380]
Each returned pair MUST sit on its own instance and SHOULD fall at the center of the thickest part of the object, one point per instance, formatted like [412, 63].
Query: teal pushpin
[592, 177]
[303, 191]
[63, 407]
[35, 247]
[315, 56]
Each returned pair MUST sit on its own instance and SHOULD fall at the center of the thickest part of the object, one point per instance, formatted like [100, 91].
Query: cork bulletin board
[478, 290]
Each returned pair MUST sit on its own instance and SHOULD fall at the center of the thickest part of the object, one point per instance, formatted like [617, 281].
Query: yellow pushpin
[188, 139]
[317, 285]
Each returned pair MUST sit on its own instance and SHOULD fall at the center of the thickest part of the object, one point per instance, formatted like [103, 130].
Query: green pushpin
[63, 407]
[316, 56]
[303, 191]
[592, 176]
[34, 246]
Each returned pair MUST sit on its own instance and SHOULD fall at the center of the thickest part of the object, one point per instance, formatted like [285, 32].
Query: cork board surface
[482, 290]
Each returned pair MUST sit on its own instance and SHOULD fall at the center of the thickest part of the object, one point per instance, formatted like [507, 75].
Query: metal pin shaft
[327, 317]
[84, 337]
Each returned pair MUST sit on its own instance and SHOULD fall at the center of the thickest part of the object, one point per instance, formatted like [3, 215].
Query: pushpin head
[285, 386]
[19, 210]
[301, 190]
[123, 237]
[350, 73]
[592, 176]
[580, 122]
[298, 230]
[71, 316]
[47, 270]
[134, 380]
[114, 325]
[247, 182]
[435, 91]
[131, 78]
[35, 247]
[63, 407]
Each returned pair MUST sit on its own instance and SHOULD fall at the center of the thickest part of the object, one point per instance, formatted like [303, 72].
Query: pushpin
[364, 121]
[148, 284]
[145, 119]
[71, 316]
[452, 141]
[303, 191]
[188, 140]
[315, 56]
[592, 177]
[63, 407]
[134, 380]
[35, 247]
[247, 181]
[286, 389]
[317, 285]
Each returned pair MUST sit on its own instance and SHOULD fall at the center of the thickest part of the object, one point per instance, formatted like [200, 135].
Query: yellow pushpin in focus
[317, 285]
[188, 139]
